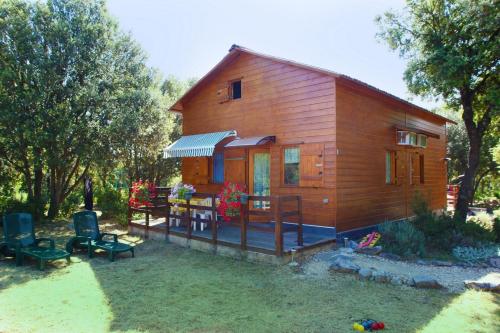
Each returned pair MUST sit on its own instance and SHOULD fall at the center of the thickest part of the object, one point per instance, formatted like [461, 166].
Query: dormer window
[235, 89]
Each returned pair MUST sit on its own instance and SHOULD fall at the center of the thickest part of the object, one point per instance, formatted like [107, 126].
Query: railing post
[214, 219]
[243, 227]
[129, 211]
[189, 226]
[167, 220]
[300, 232]
[278, 228]
[147, 223]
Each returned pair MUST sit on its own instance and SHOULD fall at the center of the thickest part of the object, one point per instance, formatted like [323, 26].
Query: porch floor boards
[231, 234]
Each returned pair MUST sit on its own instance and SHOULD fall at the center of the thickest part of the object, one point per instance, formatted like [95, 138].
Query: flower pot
[244, 199]
[188, 196]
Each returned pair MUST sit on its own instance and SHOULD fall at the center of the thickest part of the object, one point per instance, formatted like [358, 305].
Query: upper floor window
[235, 87]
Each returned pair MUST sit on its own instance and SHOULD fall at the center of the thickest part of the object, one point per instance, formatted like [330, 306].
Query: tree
[458, 146]
[69, 81]
[453, 49]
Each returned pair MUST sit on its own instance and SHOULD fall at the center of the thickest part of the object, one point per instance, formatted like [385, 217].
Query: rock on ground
[344, 265]
[425, 281]
[490, 282]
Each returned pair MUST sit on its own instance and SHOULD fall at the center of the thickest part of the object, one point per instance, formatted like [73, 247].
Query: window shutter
[415, 162]
[223, 92]
[400, 167]
[311, 165]
[195, 170]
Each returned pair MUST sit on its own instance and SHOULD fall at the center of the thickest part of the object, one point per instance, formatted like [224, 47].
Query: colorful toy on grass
[368, 325]
[369, 240]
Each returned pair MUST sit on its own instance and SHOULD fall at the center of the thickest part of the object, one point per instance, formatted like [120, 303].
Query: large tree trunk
[466, 193]
[475, 133]
[54, 191]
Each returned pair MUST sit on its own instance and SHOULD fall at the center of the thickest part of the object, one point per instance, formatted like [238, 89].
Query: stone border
[344, 264]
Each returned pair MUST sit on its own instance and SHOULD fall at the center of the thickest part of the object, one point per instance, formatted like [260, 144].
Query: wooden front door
[259, 174]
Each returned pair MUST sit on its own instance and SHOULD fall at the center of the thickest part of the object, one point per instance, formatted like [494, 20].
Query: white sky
[187, 38]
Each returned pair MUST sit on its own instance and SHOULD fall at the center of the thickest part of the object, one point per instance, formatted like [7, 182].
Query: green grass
[171, 289]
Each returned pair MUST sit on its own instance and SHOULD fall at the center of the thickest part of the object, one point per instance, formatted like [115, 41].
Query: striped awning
[196, 145]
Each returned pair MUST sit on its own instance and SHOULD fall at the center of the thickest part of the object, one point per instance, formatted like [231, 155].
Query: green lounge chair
[88, 236]
[19, 240]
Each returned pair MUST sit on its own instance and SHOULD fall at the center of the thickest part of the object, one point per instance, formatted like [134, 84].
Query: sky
[187, 38]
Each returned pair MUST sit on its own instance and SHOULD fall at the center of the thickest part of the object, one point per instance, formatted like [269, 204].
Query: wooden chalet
[352, 154]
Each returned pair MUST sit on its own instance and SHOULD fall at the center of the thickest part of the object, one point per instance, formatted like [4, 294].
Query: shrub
[474, 254]
[402, 238]
[444, 232]
[496, 225]
[71, 204]
[112, 203]
[12, 205]
[483, 219]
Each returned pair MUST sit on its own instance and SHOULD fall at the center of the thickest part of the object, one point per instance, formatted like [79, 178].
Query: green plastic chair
[20, 240]
[89, 237]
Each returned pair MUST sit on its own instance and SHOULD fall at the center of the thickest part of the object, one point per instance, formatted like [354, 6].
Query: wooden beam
[278, 228]
[188, 218]
[214, 219]
[243, 228]
[300, 232]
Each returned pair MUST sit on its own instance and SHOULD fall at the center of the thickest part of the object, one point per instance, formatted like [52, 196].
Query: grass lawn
[171, 289]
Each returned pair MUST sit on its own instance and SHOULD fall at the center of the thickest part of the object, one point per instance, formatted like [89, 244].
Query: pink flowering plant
[142, 193]
[229, 200]
[179, 191]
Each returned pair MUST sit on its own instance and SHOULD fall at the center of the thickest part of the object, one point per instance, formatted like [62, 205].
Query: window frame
[230, 87]
[392, 164]
[283, 148]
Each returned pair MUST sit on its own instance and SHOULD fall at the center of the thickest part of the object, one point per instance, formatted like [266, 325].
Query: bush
[483, 219]
[496, 225]
[475, 254]
[71, 204]
[12, 205]
[444, 232]
[112, 203]
[402, 238]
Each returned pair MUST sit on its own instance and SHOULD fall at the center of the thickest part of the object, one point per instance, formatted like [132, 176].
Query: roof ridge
[238, 48]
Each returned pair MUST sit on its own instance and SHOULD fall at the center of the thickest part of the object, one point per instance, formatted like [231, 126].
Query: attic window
[235, 89]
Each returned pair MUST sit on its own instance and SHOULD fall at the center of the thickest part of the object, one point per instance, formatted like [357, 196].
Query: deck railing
[283, 209]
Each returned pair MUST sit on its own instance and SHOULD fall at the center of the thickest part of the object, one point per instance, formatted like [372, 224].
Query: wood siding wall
[294, 104]
[365, 131]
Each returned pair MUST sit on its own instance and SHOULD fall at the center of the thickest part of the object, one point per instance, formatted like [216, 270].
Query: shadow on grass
[167, 288]
[172, 289]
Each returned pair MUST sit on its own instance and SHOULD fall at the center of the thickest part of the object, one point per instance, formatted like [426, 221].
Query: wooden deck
[230, 235]
[277, 230]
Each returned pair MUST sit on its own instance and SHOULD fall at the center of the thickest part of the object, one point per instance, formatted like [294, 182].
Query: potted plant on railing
[141, 194]
[231, 198]
[182, 191]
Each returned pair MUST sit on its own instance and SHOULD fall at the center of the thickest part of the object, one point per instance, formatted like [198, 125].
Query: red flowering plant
[229, 200]
[142, 193]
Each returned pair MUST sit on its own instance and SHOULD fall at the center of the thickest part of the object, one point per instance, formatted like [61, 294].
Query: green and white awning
[196, 145]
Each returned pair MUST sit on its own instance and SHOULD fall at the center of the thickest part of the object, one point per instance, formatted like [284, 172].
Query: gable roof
[236, 50]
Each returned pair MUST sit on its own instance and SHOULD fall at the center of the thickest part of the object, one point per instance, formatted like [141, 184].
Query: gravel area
[451, 277]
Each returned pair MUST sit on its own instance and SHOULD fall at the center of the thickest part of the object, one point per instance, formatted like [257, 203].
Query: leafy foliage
[475, 254]
[112, 203]
[81, 98]
[452, 48]
[402, 238]
[443, 232]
